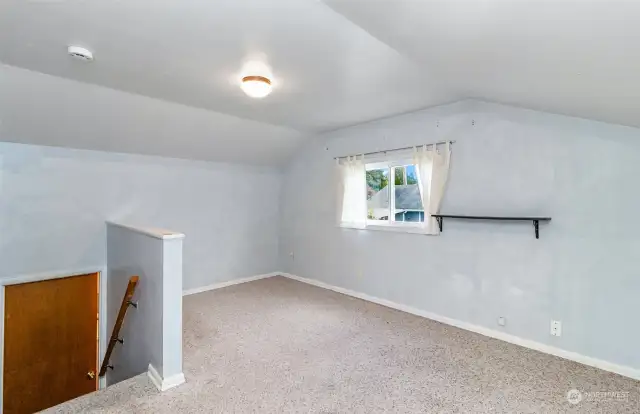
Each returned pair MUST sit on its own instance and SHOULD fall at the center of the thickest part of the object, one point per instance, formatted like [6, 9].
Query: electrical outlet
[292, 255]
[556, 328]
[502, 321]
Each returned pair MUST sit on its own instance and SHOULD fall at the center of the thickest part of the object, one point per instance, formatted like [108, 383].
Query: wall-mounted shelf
[535, 220]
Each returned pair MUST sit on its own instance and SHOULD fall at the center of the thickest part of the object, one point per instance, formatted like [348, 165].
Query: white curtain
[432, 168]
[351, 185]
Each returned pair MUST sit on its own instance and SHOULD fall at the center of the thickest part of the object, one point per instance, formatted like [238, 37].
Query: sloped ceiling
[328, 72]
[563, 56]
[46, 110]
[167, 71]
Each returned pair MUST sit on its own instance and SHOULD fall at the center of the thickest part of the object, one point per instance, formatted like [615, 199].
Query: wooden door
[50, 342]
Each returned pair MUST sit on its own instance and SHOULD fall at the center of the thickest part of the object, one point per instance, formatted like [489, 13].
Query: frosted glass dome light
[256, 86]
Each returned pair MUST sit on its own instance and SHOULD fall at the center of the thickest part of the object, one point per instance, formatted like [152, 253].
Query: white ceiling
[45, 110]
[573, 57]
[334, 63]
[328, 72]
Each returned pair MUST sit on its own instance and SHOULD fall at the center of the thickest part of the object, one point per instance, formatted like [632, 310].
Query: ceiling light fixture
[256, 86]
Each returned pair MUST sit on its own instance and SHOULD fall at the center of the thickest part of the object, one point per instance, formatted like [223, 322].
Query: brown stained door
[50, 342]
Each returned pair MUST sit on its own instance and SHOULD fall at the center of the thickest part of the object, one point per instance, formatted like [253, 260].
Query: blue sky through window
[411, 171]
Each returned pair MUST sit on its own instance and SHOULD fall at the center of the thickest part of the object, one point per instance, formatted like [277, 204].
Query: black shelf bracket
[535, 220]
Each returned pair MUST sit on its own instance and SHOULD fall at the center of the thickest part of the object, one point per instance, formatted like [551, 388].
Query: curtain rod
[395, 149]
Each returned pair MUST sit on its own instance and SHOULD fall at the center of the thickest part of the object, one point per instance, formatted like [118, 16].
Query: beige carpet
[279, 346]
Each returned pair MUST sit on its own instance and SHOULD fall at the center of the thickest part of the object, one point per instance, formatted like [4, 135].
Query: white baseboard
[227, 283]
[155, 378]
[538, 346]
[167, 383]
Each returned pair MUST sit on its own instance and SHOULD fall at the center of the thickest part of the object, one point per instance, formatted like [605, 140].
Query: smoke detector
[80, 53]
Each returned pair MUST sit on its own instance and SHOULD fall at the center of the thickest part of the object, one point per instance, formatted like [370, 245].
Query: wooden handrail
[126, 301]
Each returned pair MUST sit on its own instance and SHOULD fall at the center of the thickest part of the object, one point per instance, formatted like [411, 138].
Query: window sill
[392, 228]
[397, 228]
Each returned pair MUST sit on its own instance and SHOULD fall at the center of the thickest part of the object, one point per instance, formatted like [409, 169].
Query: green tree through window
[399, 176]
[376, 181]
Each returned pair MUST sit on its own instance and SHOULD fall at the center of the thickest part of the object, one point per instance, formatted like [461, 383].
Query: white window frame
[391, 224]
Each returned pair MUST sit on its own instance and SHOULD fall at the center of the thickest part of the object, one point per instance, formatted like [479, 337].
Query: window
[382, 193]
[393, 195]
[378, 194]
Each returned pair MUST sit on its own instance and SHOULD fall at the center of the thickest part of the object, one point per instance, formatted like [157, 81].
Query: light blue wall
[583, 270]
[54, 203]
[152, 332]
[131, 253]
[171, 309]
